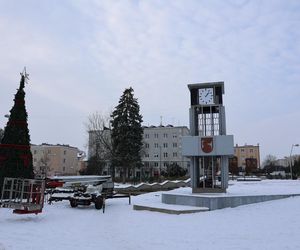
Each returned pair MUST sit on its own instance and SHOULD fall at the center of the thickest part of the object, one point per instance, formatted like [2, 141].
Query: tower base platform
[218, 201]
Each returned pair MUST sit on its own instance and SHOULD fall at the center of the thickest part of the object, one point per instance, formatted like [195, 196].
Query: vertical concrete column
[222, 120]
[194, 160]
[224, 172]
[194, 172]
[193, 122]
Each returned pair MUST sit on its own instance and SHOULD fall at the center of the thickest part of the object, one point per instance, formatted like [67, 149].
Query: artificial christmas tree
[15, 154]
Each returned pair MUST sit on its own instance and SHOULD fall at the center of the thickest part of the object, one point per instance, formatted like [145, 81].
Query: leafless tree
[269, 160]
[44, 163]
[99, 144]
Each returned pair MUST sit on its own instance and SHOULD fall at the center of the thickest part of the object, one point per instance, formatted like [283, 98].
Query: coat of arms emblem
[207, 144]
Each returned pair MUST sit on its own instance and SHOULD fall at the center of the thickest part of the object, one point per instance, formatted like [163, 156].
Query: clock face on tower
[206, 96]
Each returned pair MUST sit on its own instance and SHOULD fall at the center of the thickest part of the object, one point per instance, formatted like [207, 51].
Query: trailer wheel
[73, 203]
[98, 202]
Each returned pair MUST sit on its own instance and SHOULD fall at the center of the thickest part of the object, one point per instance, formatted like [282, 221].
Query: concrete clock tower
[208, 146]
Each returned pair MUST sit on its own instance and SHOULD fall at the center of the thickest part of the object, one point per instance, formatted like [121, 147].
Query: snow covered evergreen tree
[15, 154]
[127, 134]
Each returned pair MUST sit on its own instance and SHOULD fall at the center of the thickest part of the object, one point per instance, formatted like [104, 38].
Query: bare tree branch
[44, 163]
[269, 160]
[98, 129]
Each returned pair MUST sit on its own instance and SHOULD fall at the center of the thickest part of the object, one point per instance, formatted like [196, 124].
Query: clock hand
[206, 94]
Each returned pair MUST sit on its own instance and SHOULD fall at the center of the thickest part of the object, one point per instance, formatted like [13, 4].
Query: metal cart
[25, 196]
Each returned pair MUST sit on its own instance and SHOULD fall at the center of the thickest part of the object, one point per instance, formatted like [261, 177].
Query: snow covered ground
[265, 187]
[268, 225]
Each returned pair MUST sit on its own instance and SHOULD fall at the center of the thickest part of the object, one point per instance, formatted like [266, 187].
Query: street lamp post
[291, 169]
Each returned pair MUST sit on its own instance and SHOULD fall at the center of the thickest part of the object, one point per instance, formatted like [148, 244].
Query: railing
[23, 195]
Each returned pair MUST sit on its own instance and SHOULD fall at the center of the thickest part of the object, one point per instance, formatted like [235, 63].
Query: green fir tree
[15, 154]
[127, 134]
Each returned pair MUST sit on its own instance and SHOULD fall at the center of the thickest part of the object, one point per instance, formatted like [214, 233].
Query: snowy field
[268, 225]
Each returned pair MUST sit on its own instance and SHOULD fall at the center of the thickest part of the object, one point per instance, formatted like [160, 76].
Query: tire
[98, 202]
[73, 203]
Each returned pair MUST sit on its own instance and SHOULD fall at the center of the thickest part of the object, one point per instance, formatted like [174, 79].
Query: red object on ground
[20, 211]
[54, 184]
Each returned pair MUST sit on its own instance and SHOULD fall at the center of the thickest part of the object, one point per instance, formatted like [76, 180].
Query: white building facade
[162, 147]
[287, 161]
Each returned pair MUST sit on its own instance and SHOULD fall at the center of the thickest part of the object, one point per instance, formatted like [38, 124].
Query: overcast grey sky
[81, 55]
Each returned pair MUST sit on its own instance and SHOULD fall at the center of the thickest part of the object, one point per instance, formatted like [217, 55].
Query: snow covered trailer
[25, 196]
[84, 190]
[74, 181]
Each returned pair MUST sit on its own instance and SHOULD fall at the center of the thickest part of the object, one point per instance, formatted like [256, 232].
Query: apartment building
[162, 146]
[57, 159]
[247, 154]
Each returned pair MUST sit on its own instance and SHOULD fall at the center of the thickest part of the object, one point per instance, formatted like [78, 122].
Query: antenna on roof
[160, 120]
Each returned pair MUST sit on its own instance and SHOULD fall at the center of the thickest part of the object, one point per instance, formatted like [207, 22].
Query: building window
[155, 155]
[49, 151]
[242, 150]
[155, 135]
[174, 135]
[165, 145]
[174, 154]
[165, 164]
[155, 164]
[251, 150]
[147, 145]
[165, 135]
[174, 144]
[65, 152]
[156, 145]
[64, 160]
[64, 169]
[146, 155]
[34, 152]
[165, 154]
[147, 136]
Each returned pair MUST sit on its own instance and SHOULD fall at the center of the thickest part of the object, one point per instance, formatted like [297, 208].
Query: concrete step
[170, 209]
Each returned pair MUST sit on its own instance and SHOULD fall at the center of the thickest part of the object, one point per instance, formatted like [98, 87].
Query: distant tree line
[296, 168]
[251, 166]
[271, 169]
